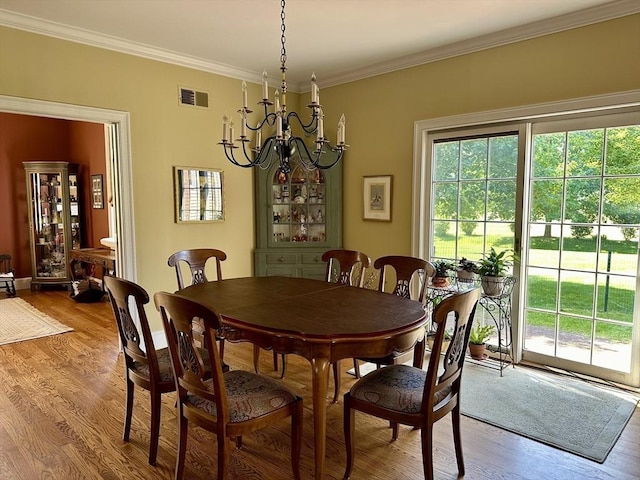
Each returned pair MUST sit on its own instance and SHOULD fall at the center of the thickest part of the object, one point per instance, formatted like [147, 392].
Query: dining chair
[144, 365]
[405, 268]
[345, 267]
[228, 404]
[403, 394]
[196, 259]
[7, 276]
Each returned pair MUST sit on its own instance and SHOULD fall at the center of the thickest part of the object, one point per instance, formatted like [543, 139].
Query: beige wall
[380, 111]
[163, 134]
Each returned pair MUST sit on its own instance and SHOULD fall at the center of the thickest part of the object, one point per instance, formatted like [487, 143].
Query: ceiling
[339, 40]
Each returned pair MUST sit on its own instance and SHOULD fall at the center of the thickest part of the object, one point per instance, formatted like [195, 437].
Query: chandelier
[282, 144]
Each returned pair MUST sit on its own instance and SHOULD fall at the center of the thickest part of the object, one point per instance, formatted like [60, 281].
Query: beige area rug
[20, 321]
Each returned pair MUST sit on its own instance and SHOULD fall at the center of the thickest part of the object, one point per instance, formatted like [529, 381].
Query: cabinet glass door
[48, 224]
[298, 206]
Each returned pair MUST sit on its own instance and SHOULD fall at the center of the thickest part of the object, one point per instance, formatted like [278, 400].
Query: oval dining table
[320, 321]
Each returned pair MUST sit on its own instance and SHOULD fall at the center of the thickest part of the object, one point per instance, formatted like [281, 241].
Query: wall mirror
[198, 194]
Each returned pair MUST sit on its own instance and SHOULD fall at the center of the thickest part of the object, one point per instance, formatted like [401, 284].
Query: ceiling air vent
[188, 96]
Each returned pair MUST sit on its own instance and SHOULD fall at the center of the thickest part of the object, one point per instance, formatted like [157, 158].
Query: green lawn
[576, 298]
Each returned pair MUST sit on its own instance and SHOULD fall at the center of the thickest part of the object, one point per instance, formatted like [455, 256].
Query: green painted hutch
[299, 217]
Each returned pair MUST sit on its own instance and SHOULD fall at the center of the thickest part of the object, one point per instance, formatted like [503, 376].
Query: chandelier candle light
[283, 144]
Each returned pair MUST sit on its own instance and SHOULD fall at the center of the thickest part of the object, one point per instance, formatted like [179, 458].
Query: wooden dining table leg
[320, 379]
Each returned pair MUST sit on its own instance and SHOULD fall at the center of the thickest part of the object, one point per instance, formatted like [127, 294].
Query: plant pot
[478, 352]
[465, 277]
[492, 286]
[440, 282]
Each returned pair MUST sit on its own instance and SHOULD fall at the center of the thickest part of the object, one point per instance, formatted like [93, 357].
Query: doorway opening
[117, 123]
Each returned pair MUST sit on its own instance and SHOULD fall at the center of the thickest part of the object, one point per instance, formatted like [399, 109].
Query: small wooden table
[93, 257]
[320, 321]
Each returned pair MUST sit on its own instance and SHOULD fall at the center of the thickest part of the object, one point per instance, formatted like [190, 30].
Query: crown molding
[601, 13]
[87, 37]
[608, 11]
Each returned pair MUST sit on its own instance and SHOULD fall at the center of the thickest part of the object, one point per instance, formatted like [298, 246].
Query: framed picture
[97, 197]
[377, 198]
[198, 194]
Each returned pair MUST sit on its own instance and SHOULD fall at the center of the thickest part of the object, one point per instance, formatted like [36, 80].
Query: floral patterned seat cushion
[250, 395]
[396, 387]
[164, 363]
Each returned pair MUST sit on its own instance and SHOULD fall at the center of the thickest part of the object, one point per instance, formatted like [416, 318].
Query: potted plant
[467, 270]
[441, 277]
[492, 269]
[478, 340]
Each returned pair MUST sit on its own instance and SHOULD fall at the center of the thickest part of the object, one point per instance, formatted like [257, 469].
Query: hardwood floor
[62, 408]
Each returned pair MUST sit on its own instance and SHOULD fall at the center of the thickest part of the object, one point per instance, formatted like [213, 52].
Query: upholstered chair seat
[396, 387]
[249, 396]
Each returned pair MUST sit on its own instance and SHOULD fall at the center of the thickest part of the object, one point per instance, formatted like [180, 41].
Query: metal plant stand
[497, 307]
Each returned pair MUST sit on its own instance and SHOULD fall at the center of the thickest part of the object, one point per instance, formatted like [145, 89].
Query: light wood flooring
[62, 407]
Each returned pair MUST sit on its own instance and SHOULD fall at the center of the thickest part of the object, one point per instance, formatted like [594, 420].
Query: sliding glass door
[582, 255]
[564, 192]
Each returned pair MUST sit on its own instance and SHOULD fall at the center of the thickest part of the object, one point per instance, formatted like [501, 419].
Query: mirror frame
[186, 215]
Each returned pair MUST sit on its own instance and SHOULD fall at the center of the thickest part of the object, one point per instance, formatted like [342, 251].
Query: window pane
[503, 156]
[612, 346]
[576, 292]
[501, 198]
[445, 200]
[546, 200]
[585, 153]
[543, 286]
[622, 200]
[623, 151]
[574, 339]
[446, 160]
[540, 333]
[544, 247]
[473, 158]
[548, 155]
[617, 254]
[616, 299]
[582, 201]
[472, 200]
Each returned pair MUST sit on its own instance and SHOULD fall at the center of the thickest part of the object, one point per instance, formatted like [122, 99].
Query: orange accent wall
[24, 138]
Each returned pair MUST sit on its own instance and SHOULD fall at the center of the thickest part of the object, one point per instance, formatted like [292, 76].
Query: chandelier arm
[231, 157]
[310, 127]
[310, 160]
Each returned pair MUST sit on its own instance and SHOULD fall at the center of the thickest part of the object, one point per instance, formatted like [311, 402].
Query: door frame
[123, 191]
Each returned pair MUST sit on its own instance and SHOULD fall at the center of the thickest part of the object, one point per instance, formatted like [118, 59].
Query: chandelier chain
[283, 39]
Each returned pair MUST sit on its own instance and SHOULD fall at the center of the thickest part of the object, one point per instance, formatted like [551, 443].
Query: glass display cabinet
[54, 219]
[299, 217]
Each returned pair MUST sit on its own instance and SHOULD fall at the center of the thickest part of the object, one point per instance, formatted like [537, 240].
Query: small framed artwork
[97, 196]
[377, 198]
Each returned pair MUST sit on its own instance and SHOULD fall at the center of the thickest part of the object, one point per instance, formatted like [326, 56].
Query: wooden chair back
[349, 264]
[178, 314]
[405, 268]
[196, 260]
[121, 292]
[441, 390]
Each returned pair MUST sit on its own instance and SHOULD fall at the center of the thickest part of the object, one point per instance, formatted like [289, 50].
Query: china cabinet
[54, 219]
[298, 217]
